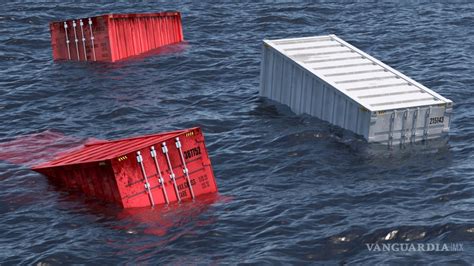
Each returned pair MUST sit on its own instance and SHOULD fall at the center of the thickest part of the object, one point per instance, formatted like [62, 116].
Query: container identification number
[186, 185]
[436, 120]
[192, 152]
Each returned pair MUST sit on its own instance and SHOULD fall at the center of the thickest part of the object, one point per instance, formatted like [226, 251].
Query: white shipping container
[328, 78]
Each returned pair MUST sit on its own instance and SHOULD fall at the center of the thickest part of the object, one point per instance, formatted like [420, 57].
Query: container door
[410, 125]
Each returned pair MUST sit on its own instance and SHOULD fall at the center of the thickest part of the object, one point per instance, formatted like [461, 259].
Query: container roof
[368, 81]
[106, 150]
[128, 15]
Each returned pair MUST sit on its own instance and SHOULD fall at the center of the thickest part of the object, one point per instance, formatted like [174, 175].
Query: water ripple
[293, 189]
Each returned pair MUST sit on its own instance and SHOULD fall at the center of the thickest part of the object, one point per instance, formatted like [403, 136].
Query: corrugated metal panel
[140, 171]
[328, 78]
[113, 37]
[105, 150]
[348, 68]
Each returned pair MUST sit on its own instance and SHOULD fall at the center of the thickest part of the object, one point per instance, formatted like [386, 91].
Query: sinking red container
[128, 171]
[109, 38]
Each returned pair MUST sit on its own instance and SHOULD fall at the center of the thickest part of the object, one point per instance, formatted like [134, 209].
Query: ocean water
[292, 189]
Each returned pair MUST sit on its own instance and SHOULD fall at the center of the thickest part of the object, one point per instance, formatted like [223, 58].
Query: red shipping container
[109, 38]
[140, 171]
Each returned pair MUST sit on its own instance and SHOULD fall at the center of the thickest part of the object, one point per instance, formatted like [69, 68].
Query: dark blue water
[293, 189]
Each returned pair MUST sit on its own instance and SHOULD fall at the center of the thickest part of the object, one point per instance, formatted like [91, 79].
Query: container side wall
[265, 71]
[93, 179]
[308, 94]
[286, 82]
[134, 35]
